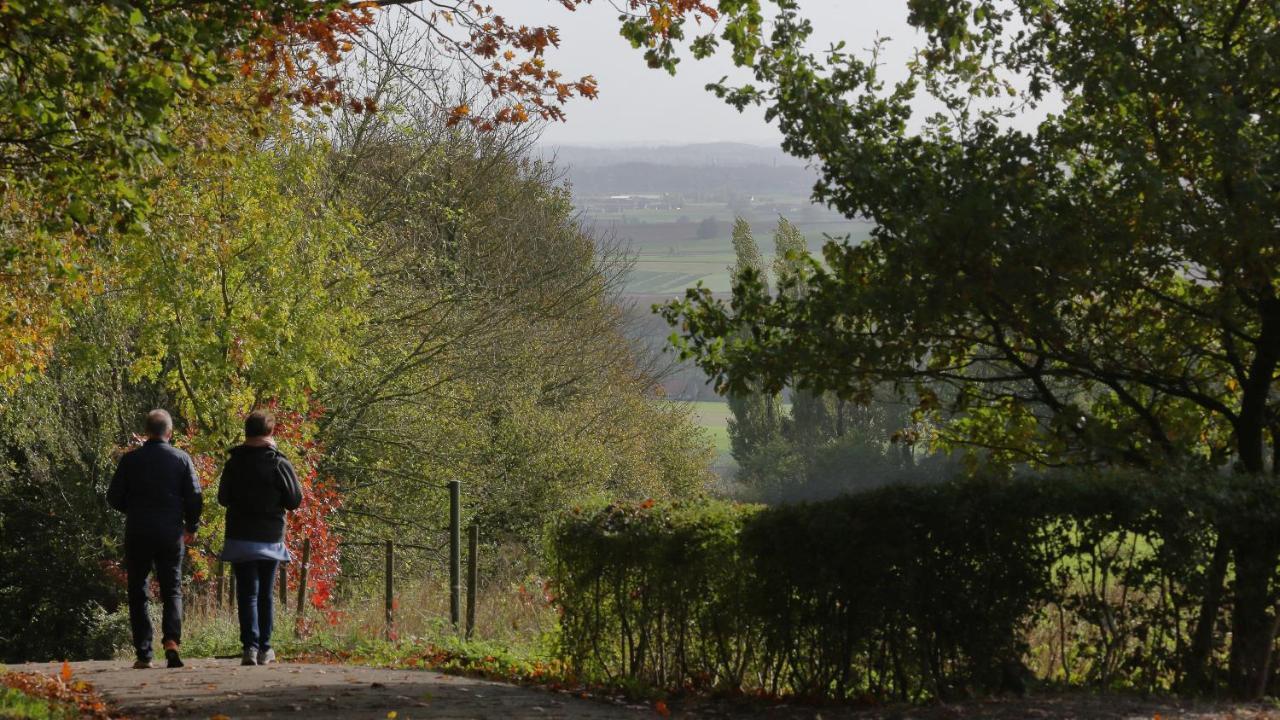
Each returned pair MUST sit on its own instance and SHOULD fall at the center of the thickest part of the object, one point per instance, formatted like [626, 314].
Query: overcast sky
[642, 106]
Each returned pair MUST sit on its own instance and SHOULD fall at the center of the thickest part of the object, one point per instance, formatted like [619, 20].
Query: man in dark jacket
[258, 486]
[156, 487]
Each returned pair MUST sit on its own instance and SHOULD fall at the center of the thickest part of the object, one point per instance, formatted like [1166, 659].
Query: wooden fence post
[473, 577]
[218, 570]
[300, 608]
[390, 592]
[284, 586]
[455, 552]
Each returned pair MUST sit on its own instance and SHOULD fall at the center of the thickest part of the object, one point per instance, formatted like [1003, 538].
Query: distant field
[670, 258]
[714, 417]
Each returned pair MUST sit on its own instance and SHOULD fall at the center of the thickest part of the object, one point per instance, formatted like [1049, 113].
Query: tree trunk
[1196, 678]
[1252, 624]
[1256, 554]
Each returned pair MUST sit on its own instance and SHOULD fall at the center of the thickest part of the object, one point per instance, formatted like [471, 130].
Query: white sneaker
[250, 656]
[266, 657]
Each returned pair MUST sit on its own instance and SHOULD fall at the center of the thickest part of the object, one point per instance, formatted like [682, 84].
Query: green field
[714, 418]
[669, 257]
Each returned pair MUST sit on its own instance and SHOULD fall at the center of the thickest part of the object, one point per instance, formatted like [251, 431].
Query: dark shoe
[171, 657]
[250, 656]
[142, 664]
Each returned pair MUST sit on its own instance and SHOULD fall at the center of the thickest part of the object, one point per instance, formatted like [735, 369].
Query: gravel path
[213, 688]
[206, 688]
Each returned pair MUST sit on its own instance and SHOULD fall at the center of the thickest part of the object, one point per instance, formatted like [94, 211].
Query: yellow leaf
[391, 715]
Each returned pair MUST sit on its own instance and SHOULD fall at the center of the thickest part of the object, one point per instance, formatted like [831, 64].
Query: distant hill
[718, 170]
[721, 154]
[635, 177]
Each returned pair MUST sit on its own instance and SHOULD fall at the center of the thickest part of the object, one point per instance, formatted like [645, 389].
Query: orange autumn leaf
[662, 708]
[65, 673]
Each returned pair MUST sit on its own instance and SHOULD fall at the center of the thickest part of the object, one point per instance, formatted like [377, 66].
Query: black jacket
[156, 487]
[258, 486]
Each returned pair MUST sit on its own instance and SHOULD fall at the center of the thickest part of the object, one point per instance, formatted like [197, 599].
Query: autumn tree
[88, 87]
[86, 92]
[1101, 288]
[495, 350]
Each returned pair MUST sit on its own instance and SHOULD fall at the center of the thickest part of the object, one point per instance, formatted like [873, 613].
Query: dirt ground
[213, 688]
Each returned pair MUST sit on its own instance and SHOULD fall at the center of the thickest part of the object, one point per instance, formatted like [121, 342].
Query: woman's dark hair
[259, 424]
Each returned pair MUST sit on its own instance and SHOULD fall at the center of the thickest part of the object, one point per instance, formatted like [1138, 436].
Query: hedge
[907, 592]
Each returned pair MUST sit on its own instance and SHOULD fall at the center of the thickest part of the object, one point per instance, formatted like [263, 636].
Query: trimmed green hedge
[906, 592]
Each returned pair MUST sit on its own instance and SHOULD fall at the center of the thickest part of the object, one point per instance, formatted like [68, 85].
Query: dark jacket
[258, 486]
[156, 487]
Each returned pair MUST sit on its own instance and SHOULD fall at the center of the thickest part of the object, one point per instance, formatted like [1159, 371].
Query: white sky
[641, 106]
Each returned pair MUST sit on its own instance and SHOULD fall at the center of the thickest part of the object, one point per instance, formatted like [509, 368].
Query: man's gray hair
[159, 423]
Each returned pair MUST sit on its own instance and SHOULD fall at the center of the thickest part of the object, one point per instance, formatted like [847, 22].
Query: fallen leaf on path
[662, 709]
[66, 671]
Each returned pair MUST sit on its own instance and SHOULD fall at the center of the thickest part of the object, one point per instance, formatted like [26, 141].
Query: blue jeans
[255, 581]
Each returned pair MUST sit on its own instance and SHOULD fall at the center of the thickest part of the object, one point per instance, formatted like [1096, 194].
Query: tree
[494, 349]
[756, 416]
[813, 414]
[1102, 289]
[248, 279]
[86, 92]
[88, 87]
[708, 228]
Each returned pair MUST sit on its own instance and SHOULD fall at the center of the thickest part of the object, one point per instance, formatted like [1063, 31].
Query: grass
[514, 616]
[514, 641]
[37, 696]
[17, 704]
[713, 417]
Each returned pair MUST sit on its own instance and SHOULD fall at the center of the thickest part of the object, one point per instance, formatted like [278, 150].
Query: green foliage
[494, 352]
[1104, 287]
[656, 593]
[907, 592]
[248, 276]
[87, 90]
[58, 583]
[1075, 278]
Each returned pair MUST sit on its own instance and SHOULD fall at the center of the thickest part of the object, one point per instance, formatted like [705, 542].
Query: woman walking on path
[258, 486]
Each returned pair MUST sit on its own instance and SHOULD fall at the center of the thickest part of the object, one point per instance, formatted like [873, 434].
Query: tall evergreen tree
[755, 418]
[813, 414]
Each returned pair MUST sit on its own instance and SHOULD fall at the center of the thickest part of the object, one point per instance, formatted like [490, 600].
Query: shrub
[907, 592]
